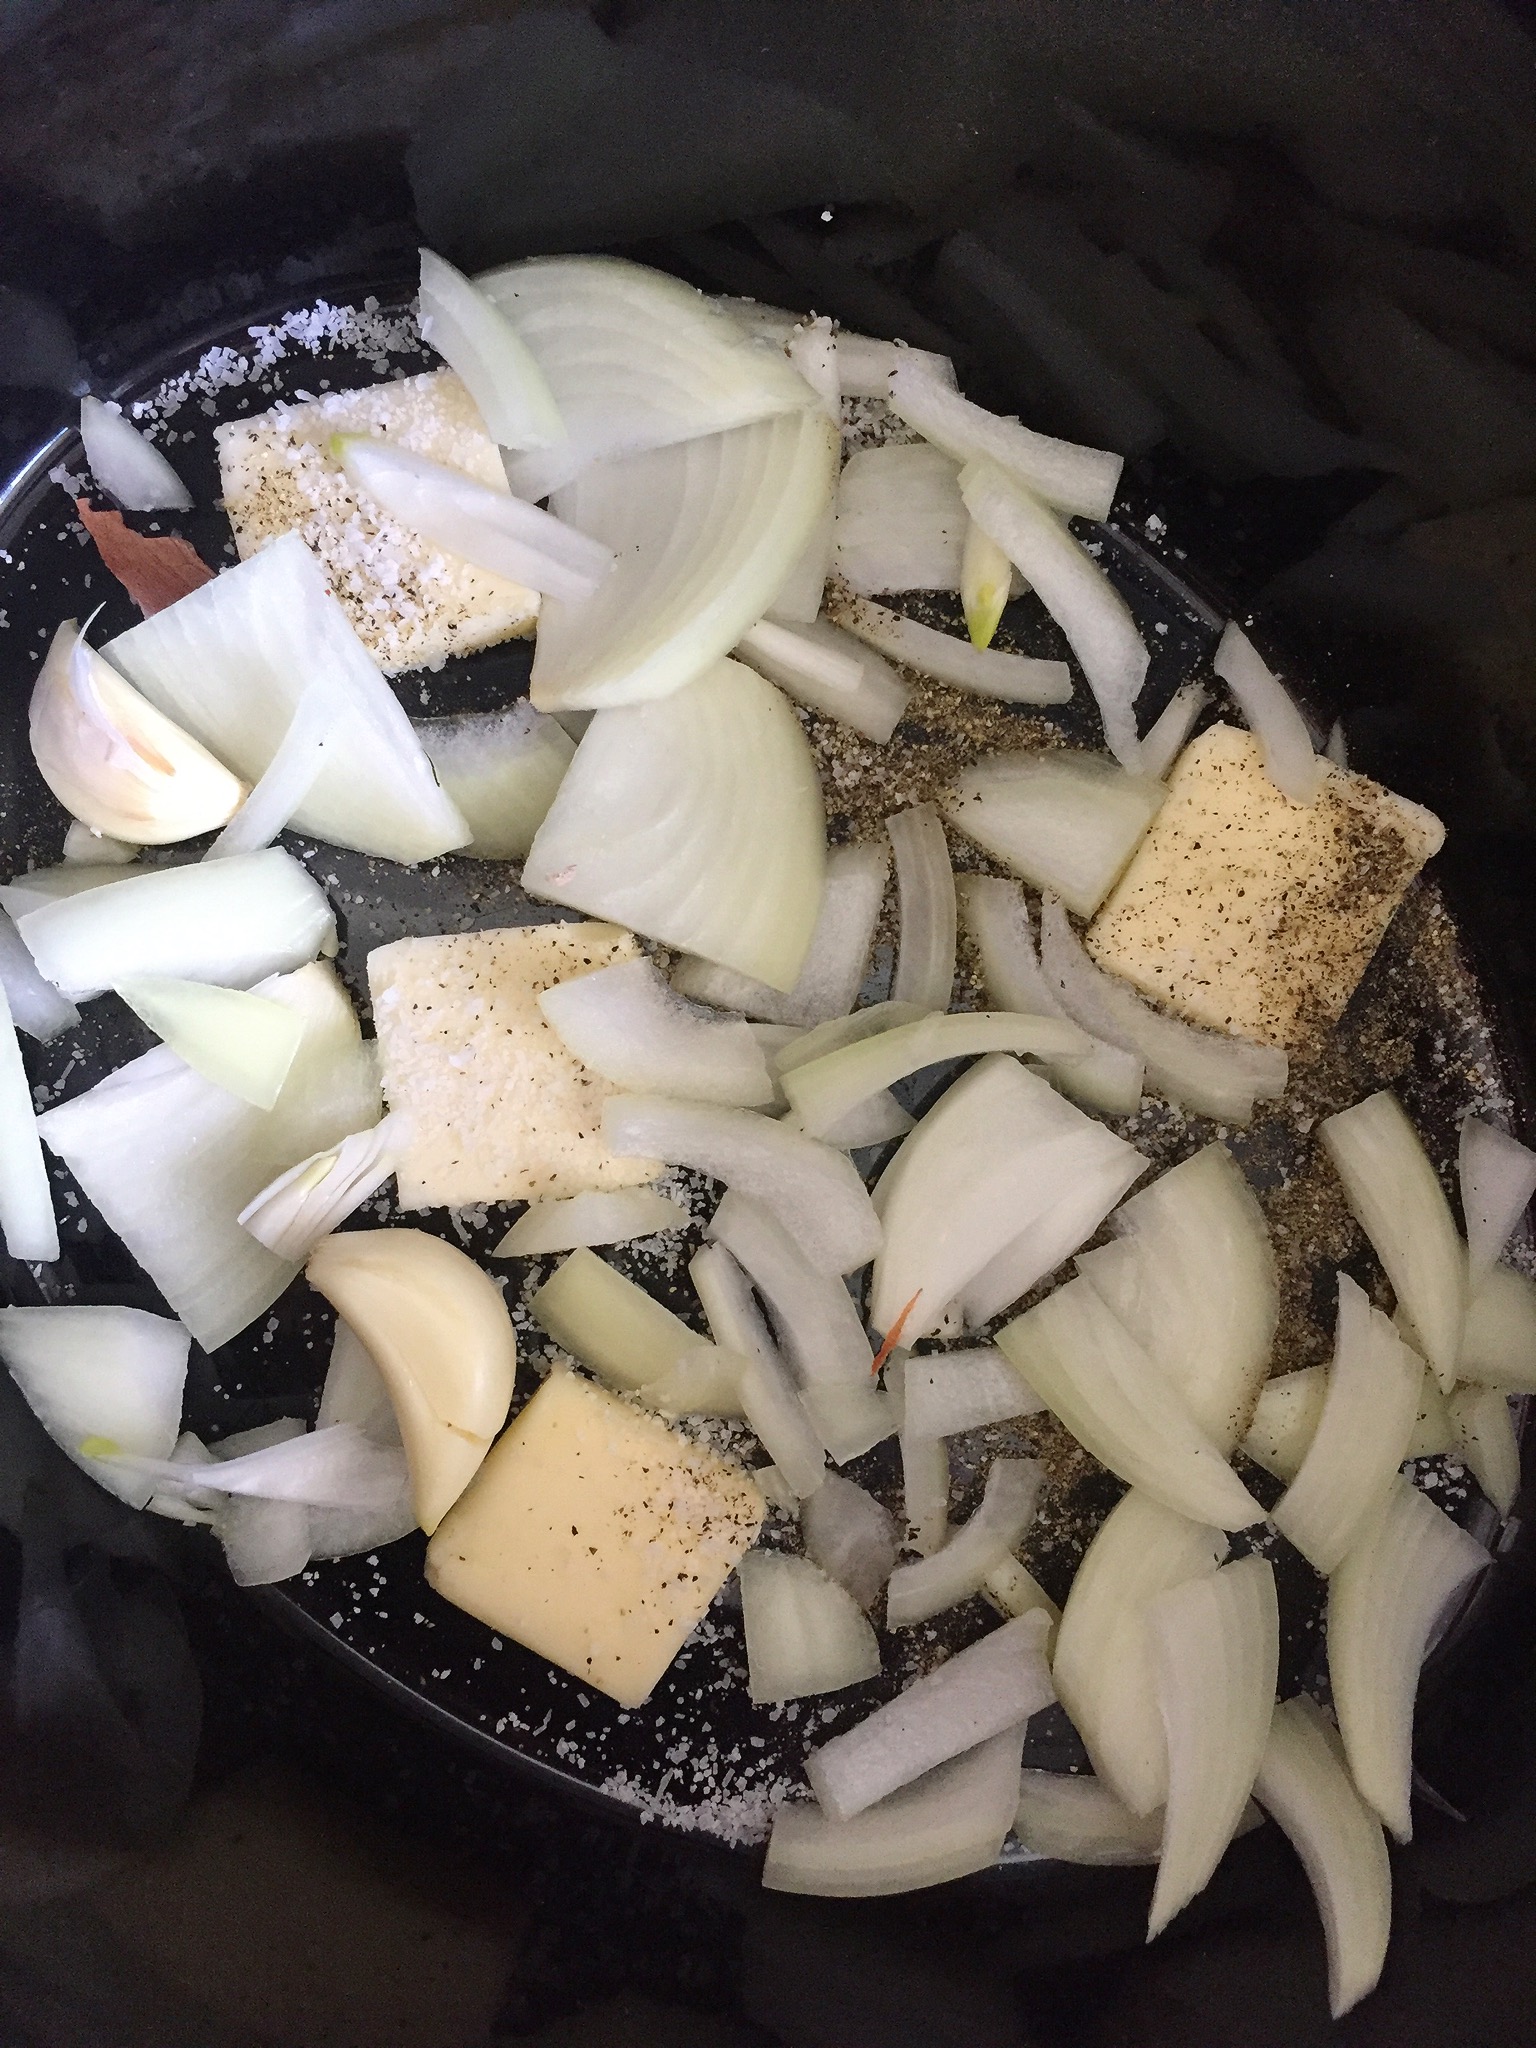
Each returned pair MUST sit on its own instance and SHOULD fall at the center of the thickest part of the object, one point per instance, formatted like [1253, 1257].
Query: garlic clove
[438, 1330]
[122, 767]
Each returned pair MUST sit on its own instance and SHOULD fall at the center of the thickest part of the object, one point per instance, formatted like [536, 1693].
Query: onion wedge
[323, 1468]
[626, 1024]
[566, 1224]
[994, 1532]
[822, 666]
[293, 1213]
[1079, 1820]
[1498, 1178]
[725, 1295]
[1285, 1419]
[1281, 731]
[978, 671]
[603, 1318]
[849, 1534]
[925, 1492]
[1073, 479]
[779, 1420]
[127, 465]
[696, 820]
[1405, 1569]
[242, 1042]
[1486, 1443]
[900, 522]
[1216, 1651]
[1064, 821]
[1120, 1405]
[950, 1391]
[502, 769]
[472, 335]
[1163, 741]
[36, 1006]
[812, 1310]
[110, 1373]
[703, 1380]
[864, 364]
[1399, 1203]
[1498, 1344]
[286, 780]
[26, 1200]
[805, 1634]
[925, 889]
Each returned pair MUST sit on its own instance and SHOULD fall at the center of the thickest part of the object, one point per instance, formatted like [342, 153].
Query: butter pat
[498, 1110]
[1248, 913]
[412, 604]
[596, 1535]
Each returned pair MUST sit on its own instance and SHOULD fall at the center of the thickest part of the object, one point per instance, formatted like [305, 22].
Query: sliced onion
[335, 1467]
[1498, 1345]
[813, 351]
[1192, 1277]
[837, 1032]
[1281, 731]
[696, 820]
[127, 466]
[864, 365]
[874, 1121]
[703, 1380]
[355, 1390]
[488, 528]
[1085, 1196]
[241, 1042]
[26, 1201]
[900, 522]
[1079, 1820]
[925, 889]
[725, 1295]
[1163, 741]
[298, 1208]
[991, 1685]
[978, 671]
[626, 1024]
[1399, 1203]
[706, 533]
[1012, 1589]
[959, 1569]
[499, 371]
[999, 1153]
[634, 359]
[805, 1634]
[287, 779]
[1285, 1419]
[850, 1417]
[832, 973]
[1498, 1178]
[1120, 1405]
[1103, 1663]
[36, 1006]
[230, 921]
[951, 1391]
[501, 769]
[1486, 1442]
[986, 578]
[995, 913]
[115, 1374]
[1204, 1071]
[265, 1541]
[1304, 1783]
[1216, 1652]
[925, 1489]
[171, 1161]
[782, 1426]
[1406, 1568]
[1433, 1433]
[50, 885]
[564, 1224]
[822, 666]
[1072, 478]
[815, 1193]
[601, 1317]
[1074, 590]
[849, 1534]
[949, 1823]
[1065, 821]
[800, 596]
[815, 1315]
[1362, 1434]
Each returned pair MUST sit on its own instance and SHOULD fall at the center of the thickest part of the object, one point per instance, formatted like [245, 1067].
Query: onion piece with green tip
[501, 769]
[1498, 1342]
[245, 1043]
[805, 1633]
[603, 1318]
[1290, 759]
[566, 1223]
[821, 666]
[925, 890]
[625, 1023]
[986, 577]
[1079, 1820]
[26, 1201]
[900, 522]
[977, 671]
[116, 1374]
[1498, 1177]
[475, 338]
[959, 1569]
[1485, 1441]
[127, 465]
[1072, 478]
[293, 1213]
[1063, 820]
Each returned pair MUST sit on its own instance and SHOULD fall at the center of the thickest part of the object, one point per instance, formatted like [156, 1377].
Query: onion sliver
[875, 1121]
[26, 1201]
[1163, 741]
[1399, 1203]
[1498, 1177]
[978, 671]
[1498, 1345]
[812, 1310]
[850, 1535]
[1304, 1783]
[991, 1685]
[950, 1391]
[286, 780]
[696, 820]
[800, 595]
[472, 335]
[501, 768]
[805, 1633]
[111, 1373]
[626, 1024]
[1216, 1652]
[820, 665]
[813, 351]
[1285, 1417]
[36, 1006]
[815, 1193]
[1064, 821]
[230, 664]
[293, 1213]
[1012, 1589]
[1079, 1820]
[998, 1153]
[725, 1295]
[355, 1390]
[229, 921]
[986, 577]
[335, 1467]
[129, 467]
[1201, 1070]
[1405, 1569]
[705, 534]
[925, 1491]
[864, 365]
[1192, 1277]
[601, 1317]
[1486, 1442]
[782, 1426]
[242, 1042]
[1072, 478]
[634, 359]
[1362, 1435]
[850, 1417]
[925, 889]
[703, 1380]
[563, 1224]
[949, 1823]
[1103, 1660]
[1074, 590]
[900, 522]
[824, 1090]
[1289, 756]
[837, 1032]
[832, 972]
[171, 1161]
[958, 1571]
[51, 885]
[1120, 1405]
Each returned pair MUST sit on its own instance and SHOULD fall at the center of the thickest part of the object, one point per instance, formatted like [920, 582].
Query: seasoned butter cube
[498, 1109]
[597, 1535]
[1252, 914]
[412, 604]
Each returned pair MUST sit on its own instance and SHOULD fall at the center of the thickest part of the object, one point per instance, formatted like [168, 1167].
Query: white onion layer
[293, 1213]
[335, 1467]
[1064, 820]
[864, 364]
[950, 1391]
[1285, 1419]
[725, 1295]
[958, 1570]
[1163, 741]
[35, 1004]
[128, 466]
[703, 1380]
[821, 666]
[1079, 1820]
[850, 1535]
[564, 1224]
[286, 780]
[495, 365]
[977, 671]
[26, 1200]
[1089, 1181]
[603, 1318]
[115, 1374]
[805, 1633]
[1485, 1441]
[779, 1420]
[1073, 479]
[815, 1315]
[625, 1023]
[925, 890]
[1498, 1177]
[1289, 757]
[1498, 1343]
[925, 1491]
[242, 1042]
[502, 769]
[900, 522]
